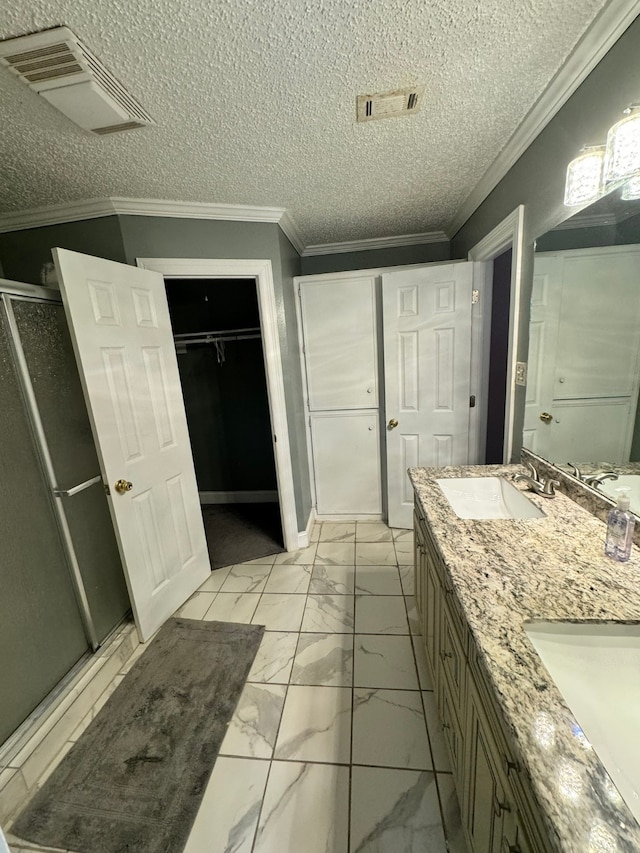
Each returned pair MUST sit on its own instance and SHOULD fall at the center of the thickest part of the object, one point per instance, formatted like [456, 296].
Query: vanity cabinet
[497, 810]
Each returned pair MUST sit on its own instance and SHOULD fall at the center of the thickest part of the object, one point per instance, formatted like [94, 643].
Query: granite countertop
[506, 572]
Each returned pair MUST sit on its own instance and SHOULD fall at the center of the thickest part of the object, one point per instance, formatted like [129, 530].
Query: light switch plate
[521, 372]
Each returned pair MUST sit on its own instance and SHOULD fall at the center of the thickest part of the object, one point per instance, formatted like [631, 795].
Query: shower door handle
[69, 493]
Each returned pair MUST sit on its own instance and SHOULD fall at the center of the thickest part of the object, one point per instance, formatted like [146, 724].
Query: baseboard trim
[350, 517]
[265, 496]
[304, 537]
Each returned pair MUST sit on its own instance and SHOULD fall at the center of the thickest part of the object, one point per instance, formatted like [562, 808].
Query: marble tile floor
[335, 745]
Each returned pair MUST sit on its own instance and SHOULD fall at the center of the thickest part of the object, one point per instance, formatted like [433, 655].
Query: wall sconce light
[584, 176]
[622, 159]
[631, 189]
[600, 168]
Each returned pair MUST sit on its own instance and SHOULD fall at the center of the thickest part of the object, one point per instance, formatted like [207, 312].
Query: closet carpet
[240, 532]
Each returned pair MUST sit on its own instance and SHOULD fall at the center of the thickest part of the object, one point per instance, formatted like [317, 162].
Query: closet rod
[211, 339]
[217, 333]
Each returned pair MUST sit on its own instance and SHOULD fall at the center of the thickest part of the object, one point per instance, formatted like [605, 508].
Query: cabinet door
[486, 799]
[418, 568]
[340, 350]
[432, 598]
[346, 460]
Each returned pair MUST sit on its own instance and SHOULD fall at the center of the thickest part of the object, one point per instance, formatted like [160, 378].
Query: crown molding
[73, 211]
[291, 232]
[603, 33]
[592, 220]
[195, 210]
[94, 208]
[375, 243]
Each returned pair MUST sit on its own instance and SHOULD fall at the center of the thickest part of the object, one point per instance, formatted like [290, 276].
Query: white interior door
[122, 337]
[427, 365]
[584, 354]
[543, 342]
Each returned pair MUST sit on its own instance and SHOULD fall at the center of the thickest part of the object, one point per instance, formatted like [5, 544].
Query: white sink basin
[627, 481]
[596, 667]
[487, 497]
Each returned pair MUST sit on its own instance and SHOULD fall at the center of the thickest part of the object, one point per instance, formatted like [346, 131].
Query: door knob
[393, 423]
[122, 486]
[545, 417]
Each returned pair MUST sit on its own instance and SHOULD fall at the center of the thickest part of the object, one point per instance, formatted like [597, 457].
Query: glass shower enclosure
[62, 585]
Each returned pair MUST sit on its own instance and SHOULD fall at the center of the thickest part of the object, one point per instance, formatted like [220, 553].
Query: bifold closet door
[346, 461]
[41, 632]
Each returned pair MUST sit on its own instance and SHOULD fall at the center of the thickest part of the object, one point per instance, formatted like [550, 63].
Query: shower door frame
[15, 291]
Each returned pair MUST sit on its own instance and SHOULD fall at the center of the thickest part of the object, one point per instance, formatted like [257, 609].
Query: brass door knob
[393, 423]
[122, 486]
[545, 417]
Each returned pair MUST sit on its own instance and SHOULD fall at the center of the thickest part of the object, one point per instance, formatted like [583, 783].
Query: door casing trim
[507, 234]
[261, 271]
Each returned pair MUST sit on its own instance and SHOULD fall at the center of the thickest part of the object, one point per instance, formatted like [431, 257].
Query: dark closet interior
[216, 327]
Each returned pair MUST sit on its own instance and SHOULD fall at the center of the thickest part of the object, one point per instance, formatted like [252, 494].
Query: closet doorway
[261, 273]
[218, 338]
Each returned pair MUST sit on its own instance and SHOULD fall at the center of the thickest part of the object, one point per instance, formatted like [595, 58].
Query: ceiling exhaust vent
[56, 65]
[402, 102]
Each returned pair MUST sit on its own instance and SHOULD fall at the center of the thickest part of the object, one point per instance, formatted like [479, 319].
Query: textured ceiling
[255, 104]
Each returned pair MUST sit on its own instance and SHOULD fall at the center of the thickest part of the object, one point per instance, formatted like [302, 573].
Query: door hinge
[472, 401]
[275, 439]
[475, 297]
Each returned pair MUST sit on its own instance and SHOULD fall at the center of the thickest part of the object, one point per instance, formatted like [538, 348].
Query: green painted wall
[23, 253]
[537, 178]
[424, 253]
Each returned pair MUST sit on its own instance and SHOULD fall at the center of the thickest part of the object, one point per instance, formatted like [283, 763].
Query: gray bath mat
[135, 778]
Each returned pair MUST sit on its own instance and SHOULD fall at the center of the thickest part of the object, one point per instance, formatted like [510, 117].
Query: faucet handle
[576, 471]
[532, 471]
[549, 487]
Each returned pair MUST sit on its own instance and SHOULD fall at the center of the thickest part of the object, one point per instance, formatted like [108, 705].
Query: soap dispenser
[620, 523]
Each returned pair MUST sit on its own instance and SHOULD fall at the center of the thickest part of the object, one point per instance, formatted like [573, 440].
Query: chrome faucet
[544, 488]
[596, 479]
[576, 471]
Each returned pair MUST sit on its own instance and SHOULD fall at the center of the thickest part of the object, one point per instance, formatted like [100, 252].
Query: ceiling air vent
[56, 65]
[402, 102]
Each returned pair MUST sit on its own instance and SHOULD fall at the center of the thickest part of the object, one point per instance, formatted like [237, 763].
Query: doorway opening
[505, 242]
[218, 337]
[498, 357]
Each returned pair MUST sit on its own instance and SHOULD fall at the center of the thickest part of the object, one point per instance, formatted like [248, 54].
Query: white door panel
[339, 327]
[346, 459]
[543, 342]
[584, 352]
[123, 342]
[585, 429]
[427, 355]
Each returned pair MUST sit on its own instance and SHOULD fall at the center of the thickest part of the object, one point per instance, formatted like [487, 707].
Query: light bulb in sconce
[584, 176]
[622, 158]
[631, 189]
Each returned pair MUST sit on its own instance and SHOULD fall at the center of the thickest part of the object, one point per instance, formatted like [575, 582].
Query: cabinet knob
[369, 390]
[510, 766]
[499, 807]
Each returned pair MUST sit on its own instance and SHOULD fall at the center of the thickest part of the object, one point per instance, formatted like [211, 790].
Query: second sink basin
[486, 498]
[596, 667]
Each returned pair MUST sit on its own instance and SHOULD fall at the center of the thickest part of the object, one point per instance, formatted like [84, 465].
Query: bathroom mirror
[584, 341]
